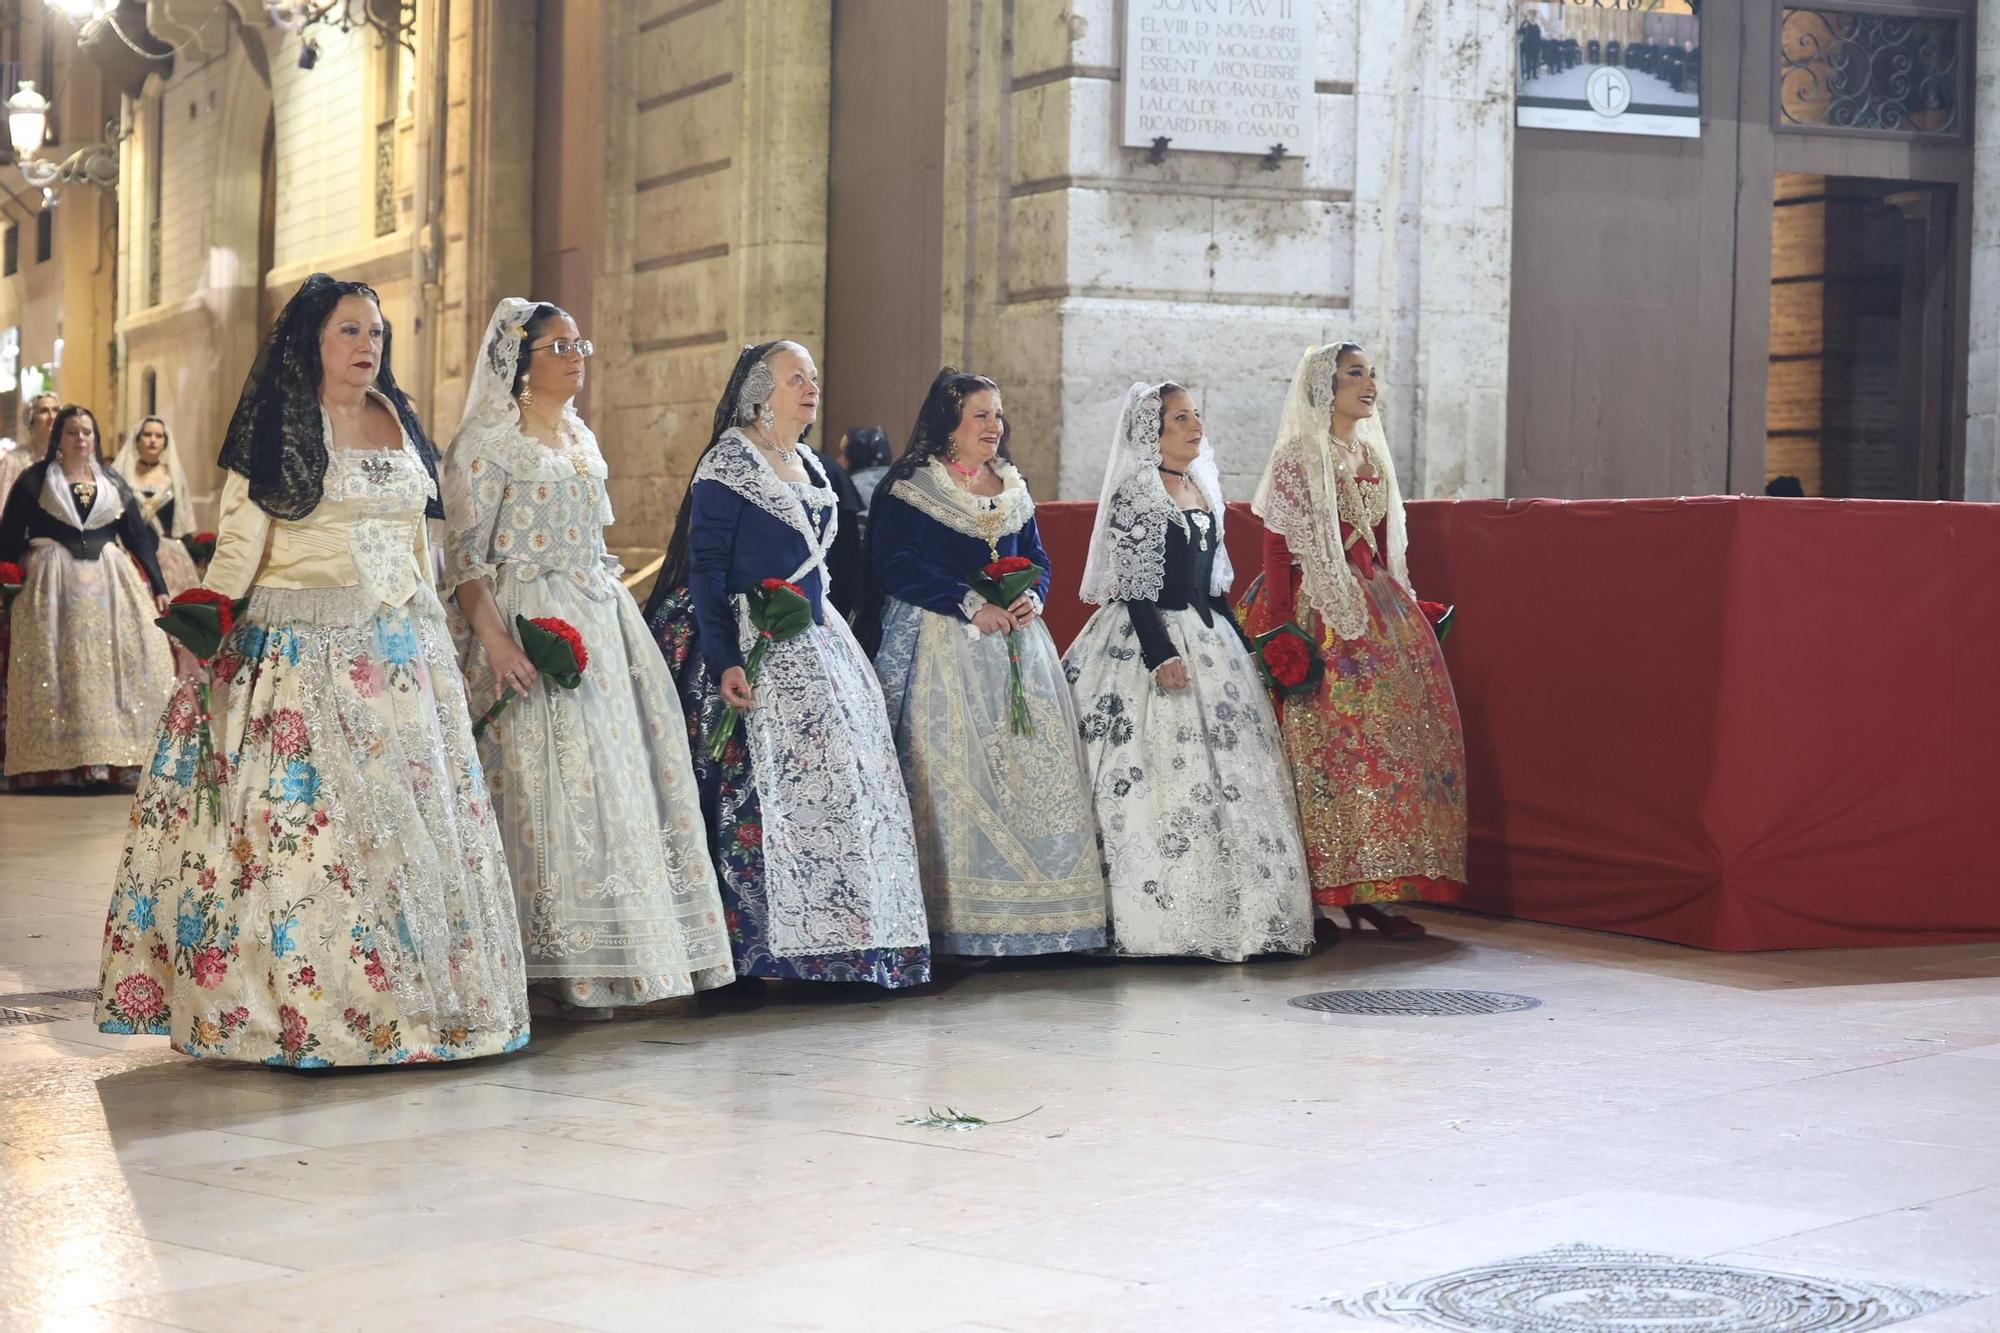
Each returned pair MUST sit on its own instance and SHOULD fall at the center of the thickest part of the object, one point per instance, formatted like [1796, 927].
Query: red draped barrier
[1737, 723]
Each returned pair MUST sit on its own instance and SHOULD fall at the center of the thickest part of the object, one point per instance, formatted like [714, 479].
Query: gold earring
[527, 396]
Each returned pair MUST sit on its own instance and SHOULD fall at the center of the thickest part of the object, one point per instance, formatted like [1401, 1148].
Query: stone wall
[1074, 266]
[714, 176]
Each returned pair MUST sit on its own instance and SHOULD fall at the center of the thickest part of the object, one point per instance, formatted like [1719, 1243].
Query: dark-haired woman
[1199, 829]
[87, 671]
[808, 821]
[329, 888]
[1378, 760]
[1002, 805]
[597, 804]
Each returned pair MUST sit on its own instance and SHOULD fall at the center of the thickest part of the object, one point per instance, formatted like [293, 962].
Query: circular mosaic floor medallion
[1583, 1289]
[1415, 1003]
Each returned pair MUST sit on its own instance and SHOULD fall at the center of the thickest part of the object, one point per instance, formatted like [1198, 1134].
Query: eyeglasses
[568, 346]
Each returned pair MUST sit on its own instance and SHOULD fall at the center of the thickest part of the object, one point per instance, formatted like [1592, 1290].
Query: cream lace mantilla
[988, 518]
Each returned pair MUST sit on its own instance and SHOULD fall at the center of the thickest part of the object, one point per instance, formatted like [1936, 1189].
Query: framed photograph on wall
[1609, 66]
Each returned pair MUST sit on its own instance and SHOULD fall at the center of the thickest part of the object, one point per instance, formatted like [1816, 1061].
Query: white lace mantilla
[1127, 561]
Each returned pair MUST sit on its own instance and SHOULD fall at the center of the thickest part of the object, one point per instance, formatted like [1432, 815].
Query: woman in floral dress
[1194, 800]
[1378, 760]
[330, 888]
[597, 804]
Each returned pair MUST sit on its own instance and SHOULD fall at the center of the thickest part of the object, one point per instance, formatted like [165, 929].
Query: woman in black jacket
[87, 673]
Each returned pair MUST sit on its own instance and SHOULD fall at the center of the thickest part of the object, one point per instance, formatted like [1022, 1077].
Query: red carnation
[207, 537]
[568, 633]
[1008, 564]
[780, 585]
[11, 574]
[1288, 660]
[225, 610]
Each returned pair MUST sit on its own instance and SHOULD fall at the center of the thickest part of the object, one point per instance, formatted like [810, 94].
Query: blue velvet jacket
[735, 544]
[926, 542]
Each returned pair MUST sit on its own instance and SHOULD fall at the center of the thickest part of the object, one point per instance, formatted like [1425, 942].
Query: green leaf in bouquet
[551, 653]
[780, 612]
[197, 626]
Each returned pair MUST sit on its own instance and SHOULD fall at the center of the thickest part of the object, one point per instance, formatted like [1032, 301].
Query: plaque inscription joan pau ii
[1220, 76]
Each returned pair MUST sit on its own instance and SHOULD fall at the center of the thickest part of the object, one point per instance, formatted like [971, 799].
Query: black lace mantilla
[277, 435]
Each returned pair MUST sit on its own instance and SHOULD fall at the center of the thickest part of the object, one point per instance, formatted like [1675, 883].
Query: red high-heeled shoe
[1391, 927]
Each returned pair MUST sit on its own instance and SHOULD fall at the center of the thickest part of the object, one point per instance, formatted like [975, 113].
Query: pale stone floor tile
[443, 1288]
[1950, 1241]
[44, 1277]
[1197, 1153]
[739, 1239]
[902, 1289]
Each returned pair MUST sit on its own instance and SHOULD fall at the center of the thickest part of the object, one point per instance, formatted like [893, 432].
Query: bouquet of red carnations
[778, 611]
[555, 647]
[1291, 665]
[200, 546]
[1002, 584]
[11, 579]
[1439, 615]
[201, 621]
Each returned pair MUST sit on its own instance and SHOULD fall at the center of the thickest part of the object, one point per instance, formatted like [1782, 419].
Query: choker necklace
[1170, 472]
[965, 473]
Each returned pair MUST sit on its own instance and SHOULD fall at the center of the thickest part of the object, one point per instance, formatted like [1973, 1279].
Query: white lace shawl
[736, 463]
[1128, 538]
[1299, 496]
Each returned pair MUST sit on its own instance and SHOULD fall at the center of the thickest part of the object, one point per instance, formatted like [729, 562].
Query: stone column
[489, 181]
[1982, 379]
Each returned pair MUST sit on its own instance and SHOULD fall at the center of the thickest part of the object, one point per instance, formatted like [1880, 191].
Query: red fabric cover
[1736, 723]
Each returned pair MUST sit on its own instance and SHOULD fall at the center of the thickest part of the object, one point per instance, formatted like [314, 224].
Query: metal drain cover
[1415, 1003]
[17, 1018]
[1585, 1289]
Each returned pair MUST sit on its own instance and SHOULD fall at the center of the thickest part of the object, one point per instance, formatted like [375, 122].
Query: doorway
[1862, 274]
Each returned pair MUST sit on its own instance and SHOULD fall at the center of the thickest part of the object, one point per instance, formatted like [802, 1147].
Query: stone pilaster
[715, 224]
[1982, 426]
[1074, 266]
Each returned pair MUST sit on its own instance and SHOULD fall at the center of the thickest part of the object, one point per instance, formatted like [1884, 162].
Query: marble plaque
[1220, 76]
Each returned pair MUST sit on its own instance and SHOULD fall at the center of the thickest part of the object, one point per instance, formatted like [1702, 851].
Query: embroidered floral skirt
[1004, 826]
[737, 827]
[1378, 759]
[87, 670]
[1194, 798]
[351, 905]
